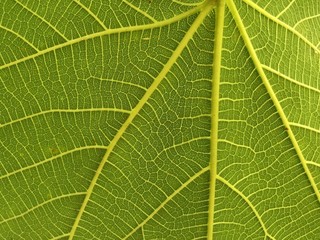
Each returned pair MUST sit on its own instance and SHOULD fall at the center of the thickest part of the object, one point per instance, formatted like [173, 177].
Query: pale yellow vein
[221, 179]
[289, 79]
[42, 19]
[63, 111]
[169, 198]
[41, 205]
[21, 37]
[305, 127]
[106, 32]
[172, 60]
[285, 9]
[276, 20]
[91, 14]
[140, 11]
[271, 93]
[51, 159]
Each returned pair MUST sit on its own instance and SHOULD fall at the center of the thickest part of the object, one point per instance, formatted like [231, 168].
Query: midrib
[219, 24]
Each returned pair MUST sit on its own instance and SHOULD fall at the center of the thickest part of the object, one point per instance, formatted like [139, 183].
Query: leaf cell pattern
[181, 119]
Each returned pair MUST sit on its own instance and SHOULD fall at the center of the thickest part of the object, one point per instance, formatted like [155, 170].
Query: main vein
[260, 70]
[215, 112]
[176, 53]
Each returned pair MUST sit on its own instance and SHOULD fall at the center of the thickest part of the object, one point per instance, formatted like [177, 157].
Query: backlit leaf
[160, 119]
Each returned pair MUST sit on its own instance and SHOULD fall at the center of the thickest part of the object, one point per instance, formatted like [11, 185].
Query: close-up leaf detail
[160, 119]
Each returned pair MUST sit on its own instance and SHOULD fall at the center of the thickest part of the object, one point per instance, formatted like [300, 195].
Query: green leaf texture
[160, 119]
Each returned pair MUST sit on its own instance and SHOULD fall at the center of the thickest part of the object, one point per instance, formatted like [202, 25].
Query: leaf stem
[219, 21]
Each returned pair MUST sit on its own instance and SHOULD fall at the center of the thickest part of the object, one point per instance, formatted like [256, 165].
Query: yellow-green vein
[50, 159]
[140, 11]
[91, 14]
[272, 94]
[221, 179]
[290, 79]
[21, 37]
[276, 20]
[305, 127]
[106, 32]
[219, 21]
[42, 19]
[191, 179]
[79, 110]
[176, 53]
[42, 204]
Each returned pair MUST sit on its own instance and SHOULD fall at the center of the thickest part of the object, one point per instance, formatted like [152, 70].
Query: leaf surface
[177, 119]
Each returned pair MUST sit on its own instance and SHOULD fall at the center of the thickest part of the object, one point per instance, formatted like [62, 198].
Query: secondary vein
[175, 55]
[282, 115]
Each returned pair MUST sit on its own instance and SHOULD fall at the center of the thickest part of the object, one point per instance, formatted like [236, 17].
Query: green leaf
[160, 119]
